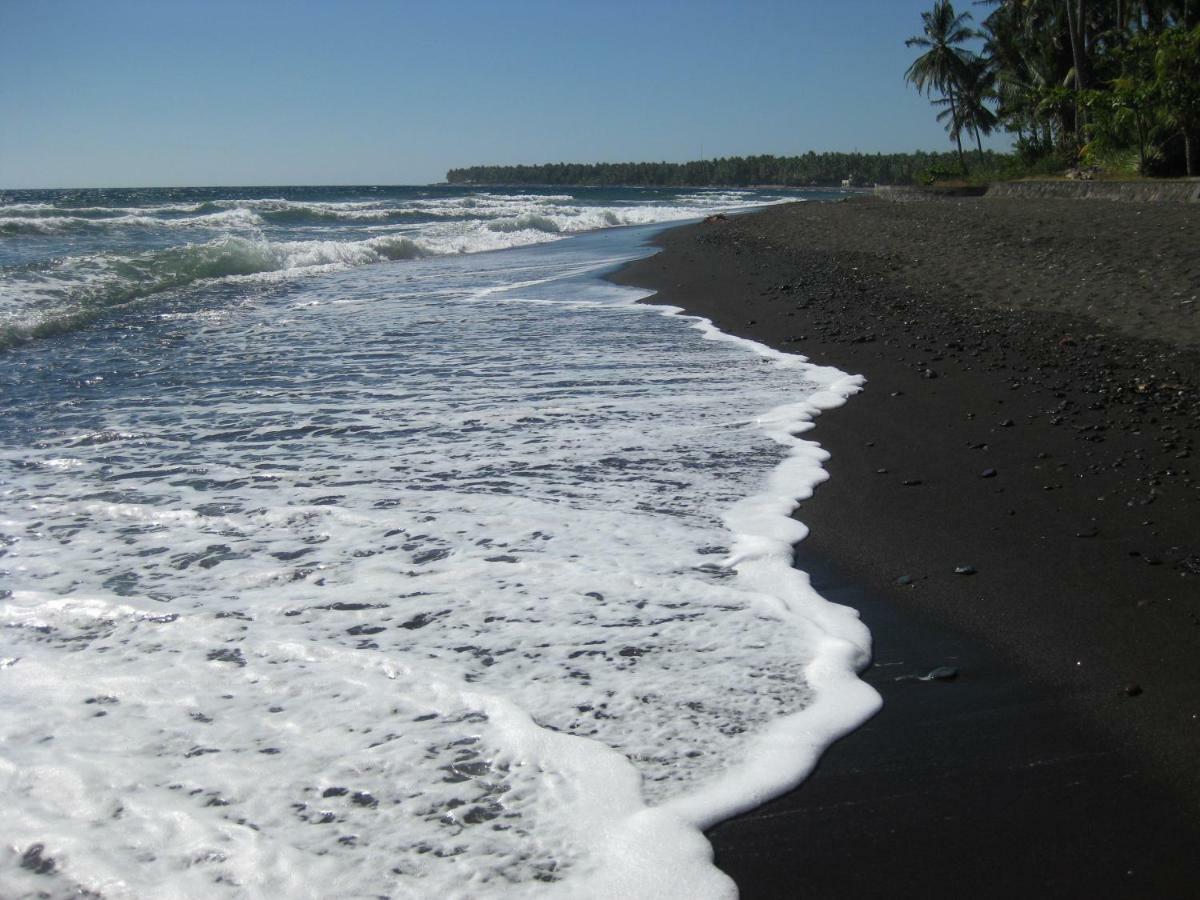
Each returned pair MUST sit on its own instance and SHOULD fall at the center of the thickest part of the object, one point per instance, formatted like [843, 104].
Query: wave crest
[55, 293]
[525, 222]
[42, 224]
[95, 284]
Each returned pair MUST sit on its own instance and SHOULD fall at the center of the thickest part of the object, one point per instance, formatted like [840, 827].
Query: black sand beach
[1031, 420]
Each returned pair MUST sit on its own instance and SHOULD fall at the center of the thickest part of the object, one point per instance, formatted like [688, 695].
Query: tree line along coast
[1090, 88]
[1109, 85]
[809, 170]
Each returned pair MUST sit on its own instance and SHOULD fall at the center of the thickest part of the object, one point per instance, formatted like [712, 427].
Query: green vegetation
[1106, 84]
[811, 169]
[1101, 85]
[964, 81]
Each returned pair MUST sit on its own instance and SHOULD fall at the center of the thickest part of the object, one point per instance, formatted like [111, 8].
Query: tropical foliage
[945, 66]
[1095, 82]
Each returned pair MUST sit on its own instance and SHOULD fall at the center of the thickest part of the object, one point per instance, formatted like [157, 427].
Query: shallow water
[456, 576]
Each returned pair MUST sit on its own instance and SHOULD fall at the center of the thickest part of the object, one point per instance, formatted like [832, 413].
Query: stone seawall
[907, 193]
[1184, 190]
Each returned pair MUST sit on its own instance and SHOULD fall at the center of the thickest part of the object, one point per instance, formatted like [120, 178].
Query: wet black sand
[1031, 413]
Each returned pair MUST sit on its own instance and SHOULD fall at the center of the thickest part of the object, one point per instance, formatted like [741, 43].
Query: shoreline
[1031, 412]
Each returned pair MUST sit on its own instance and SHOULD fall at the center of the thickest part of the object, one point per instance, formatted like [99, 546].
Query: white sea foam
[277, 239]
[233, 218]
[472, 584]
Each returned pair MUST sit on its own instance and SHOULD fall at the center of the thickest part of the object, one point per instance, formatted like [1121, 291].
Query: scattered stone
[988, 473]
[911, 482]
[941, 673]
[1007, 423]
[929, 373]
[965, 570]
[904, 580]
[881, 471]
[1133, 689]
[1088, 532]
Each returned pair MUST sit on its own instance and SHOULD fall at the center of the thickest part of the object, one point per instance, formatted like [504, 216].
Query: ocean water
[341, 556]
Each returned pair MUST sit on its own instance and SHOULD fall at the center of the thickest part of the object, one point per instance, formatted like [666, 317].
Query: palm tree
[1024, 54]
[944, 66]
[1177, 84]
[976, 91]
[971, 111]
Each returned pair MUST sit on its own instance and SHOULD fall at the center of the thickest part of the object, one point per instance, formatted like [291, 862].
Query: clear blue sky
[192, 92]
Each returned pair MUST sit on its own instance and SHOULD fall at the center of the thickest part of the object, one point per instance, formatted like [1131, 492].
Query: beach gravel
[1065, 337]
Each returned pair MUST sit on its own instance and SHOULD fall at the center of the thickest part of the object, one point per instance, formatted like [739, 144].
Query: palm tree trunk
[1141, 136]
[962, 160]
[979, 144]
[1075, 30]
[1189, 153]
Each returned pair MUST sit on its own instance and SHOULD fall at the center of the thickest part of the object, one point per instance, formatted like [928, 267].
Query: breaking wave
[74, 257]
[95, 284]
[45, 223]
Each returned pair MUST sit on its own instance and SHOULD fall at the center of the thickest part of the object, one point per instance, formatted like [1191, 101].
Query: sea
[364, 542]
